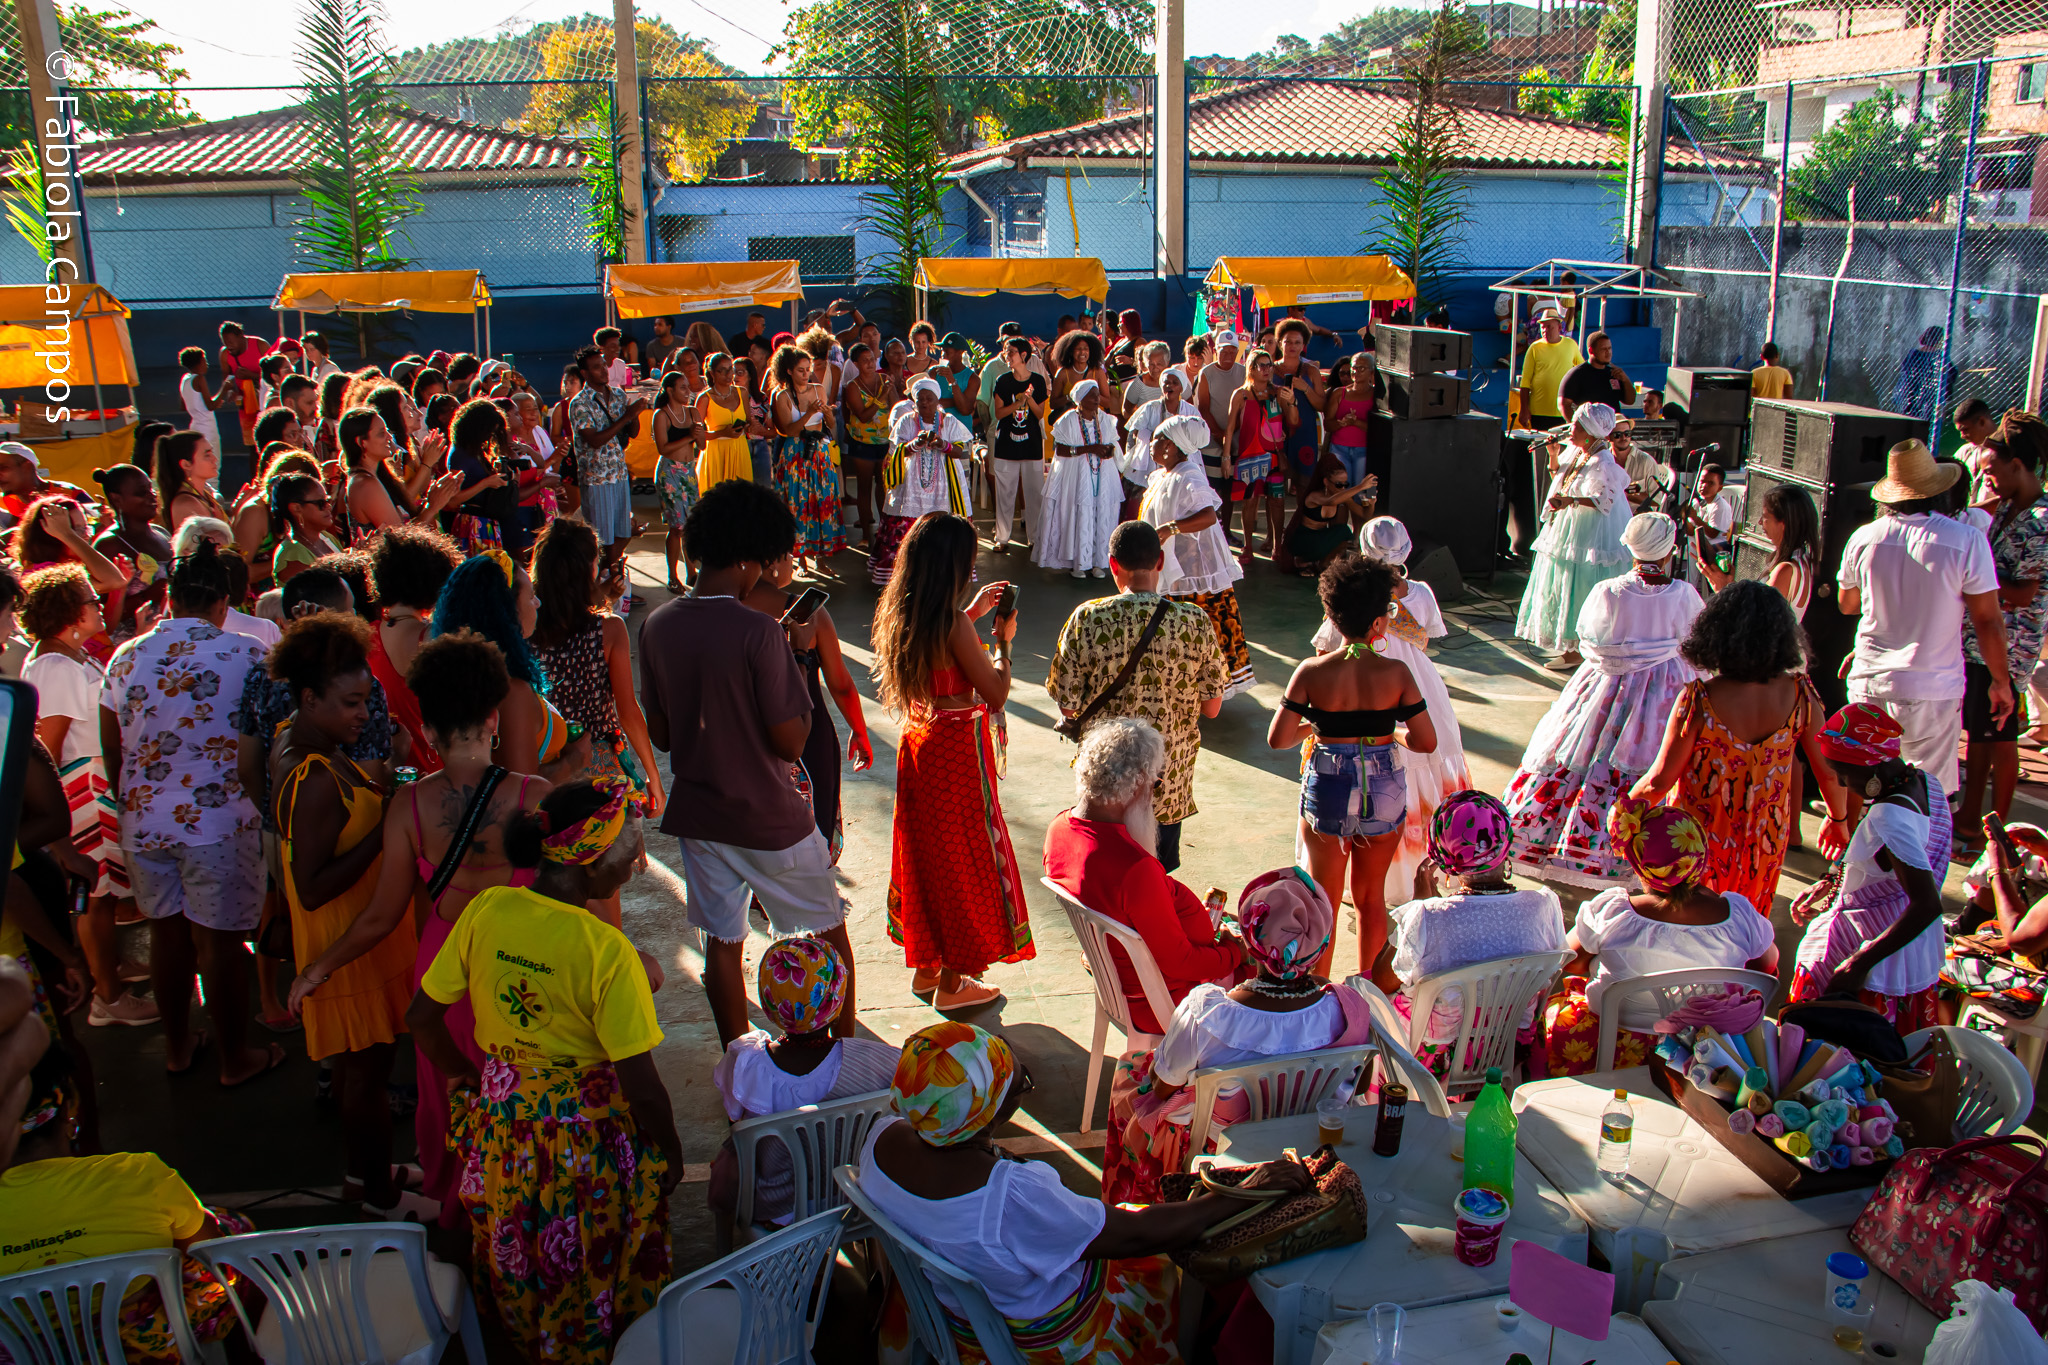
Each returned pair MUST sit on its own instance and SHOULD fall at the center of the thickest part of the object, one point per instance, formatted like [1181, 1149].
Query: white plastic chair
[759, 1306]
[1640, 1002]
[1998, 1094]
[348, 1294]
[819, 1137]
[917, 1272]
[1494, 996]
[1095, 930]
[2028, 1038]
[47, 1317]
[1389, 1029]
[1277, 1087]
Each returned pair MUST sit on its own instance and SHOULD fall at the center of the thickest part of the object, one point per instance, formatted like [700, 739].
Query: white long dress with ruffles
[1084, 496]
[1603, 732]
[1578, 547]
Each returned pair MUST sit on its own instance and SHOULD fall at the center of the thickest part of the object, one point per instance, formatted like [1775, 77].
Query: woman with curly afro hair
[1730, 744]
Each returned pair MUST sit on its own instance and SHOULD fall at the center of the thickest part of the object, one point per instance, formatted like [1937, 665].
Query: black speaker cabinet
[1420, 350]
[1698, 435]
[1709, 395]
[1842, 509]
[1826, 442]
[1417, 397]
[1443, 480]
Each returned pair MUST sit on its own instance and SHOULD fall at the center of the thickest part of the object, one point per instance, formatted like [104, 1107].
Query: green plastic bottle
[1490, 1140]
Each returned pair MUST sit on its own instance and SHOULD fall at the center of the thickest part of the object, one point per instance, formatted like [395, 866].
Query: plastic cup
[1330, 1121]
[1847, 1275]
[1506, 1315]
[1454, 1139]
[1480, 1216]
[1386, 1320]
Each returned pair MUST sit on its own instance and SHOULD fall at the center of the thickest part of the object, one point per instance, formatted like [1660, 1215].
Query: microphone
[1710, 448]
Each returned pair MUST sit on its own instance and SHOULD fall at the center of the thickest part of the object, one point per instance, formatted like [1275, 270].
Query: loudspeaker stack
[1836, 452]
[1438, 462]
[1716, 404]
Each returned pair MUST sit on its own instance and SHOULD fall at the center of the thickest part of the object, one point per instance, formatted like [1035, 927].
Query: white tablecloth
[1406, 1257]
[1466, 1334]
[1761, 1305]
[1685, 1194]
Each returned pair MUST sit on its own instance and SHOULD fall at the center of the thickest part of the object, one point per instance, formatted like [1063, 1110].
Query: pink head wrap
[1286, 920]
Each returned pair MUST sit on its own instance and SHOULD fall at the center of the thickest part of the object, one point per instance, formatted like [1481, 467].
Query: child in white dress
[1199, 566]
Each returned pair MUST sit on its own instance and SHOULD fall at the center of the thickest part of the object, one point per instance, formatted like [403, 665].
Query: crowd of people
[370, 749]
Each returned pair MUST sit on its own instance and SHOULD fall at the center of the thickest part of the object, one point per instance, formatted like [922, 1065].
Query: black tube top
[1353, 724]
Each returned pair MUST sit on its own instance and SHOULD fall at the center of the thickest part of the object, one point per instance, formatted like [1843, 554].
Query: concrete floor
[270, 1145]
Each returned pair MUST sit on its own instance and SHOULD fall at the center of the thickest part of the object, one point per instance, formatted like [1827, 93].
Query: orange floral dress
[1742, 794]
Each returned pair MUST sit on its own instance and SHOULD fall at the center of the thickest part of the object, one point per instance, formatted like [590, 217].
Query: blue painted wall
[713, 222]
[163, 250]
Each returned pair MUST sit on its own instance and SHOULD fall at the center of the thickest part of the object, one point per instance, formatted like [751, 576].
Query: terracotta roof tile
[265, 146]
[1342, 123]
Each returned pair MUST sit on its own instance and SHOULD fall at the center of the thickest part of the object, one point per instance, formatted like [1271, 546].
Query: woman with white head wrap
[1416, 619]
[1181, 502]
[1084, 494]
[926, 472]
[1580, 543]
[1136, 462]
[1604, 731]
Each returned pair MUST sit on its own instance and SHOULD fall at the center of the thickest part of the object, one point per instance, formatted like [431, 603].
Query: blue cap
[1848, 1266]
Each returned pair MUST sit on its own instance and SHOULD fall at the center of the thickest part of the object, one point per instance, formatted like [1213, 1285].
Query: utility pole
[1646, 149]
[40, 42]
[1170, 139]
[632, 155]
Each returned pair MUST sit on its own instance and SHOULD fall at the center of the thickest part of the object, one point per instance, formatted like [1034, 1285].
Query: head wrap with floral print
[802, 983]
[1664, 844]
[1286, 920]
[951, 1080]
[1862, 735]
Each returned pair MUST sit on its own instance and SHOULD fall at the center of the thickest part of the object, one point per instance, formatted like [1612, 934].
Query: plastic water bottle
[1490, 1140]
[1617, 1127]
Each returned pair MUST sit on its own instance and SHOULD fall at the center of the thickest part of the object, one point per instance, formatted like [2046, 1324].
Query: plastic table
[1466, 1334]
[1762, 1303]
[1685, 1193]
[1406, 1257]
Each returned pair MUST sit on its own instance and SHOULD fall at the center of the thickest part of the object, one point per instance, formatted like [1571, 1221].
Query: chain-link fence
[1888, 231]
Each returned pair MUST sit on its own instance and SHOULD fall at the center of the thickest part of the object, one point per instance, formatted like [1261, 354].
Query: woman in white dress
[1136, 463]
[1604, 731]
[1084, 494]
[1199, 566]
[1417, 619]
[1580, 544]
[926, 471]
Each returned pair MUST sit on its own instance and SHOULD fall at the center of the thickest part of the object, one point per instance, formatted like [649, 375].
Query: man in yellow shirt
[1544, 366]
[1770, 379]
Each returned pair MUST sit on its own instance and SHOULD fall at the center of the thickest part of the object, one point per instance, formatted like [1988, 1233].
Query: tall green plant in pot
[902, 206]
[1425, 201]
[357, 190]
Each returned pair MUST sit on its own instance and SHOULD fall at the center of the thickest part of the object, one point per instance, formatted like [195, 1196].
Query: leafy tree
[901, 152]
[1895, 163]
[358, 193]
[1610, 108]
[995, 68]
[23, 203]
[691, 112]
[1351, 43]
[601, 156]
[1425, 202]
[107, 48]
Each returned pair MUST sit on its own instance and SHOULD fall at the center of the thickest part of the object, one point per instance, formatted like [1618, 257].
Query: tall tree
[358, 193]
[995, 68]
[692, 110]
[108, 48]
[1425, 201]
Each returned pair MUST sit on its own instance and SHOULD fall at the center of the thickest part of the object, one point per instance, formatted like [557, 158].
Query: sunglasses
[311, 502]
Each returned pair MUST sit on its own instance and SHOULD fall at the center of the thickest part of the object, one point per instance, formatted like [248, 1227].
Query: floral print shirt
[1182, 668]
[594, 410]
[176, 693]
[2019, 546]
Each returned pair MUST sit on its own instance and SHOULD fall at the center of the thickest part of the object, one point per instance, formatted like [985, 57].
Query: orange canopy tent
[55, 341]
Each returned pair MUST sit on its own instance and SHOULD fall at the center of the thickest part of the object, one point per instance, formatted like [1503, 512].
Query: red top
[404, 707]
[1101, 865]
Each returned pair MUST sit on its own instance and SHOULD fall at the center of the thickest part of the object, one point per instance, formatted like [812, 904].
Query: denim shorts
[1353, 791]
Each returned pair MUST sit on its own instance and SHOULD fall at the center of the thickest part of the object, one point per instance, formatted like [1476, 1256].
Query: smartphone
[17, 729]
[1995, 827]
[1006, 604]
[801, 610]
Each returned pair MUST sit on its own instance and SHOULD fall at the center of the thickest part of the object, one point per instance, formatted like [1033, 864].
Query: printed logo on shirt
[520, 1003]
[41, 1243]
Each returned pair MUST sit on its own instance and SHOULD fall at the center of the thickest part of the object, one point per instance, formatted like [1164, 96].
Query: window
[820, 257]
[2033, 82]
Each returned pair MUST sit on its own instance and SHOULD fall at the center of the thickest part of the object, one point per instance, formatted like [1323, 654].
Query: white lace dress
[1083, 497]
[1431, 776]
[1603, 732]
[1578, 547]
[1443, 933]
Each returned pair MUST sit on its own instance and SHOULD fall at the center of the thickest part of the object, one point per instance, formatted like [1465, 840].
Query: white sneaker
[1098, 573]
[1080, 573]
[126, 1008]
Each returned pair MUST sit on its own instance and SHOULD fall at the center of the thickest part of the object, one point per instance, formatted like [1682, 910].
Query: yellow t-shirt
[72, 1207]
[1544, 366]
[551, 984]
[1770, 381]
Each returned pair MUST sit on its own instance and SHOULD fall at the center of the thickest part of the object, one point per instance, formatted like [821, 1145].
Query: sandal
[200, 1038]
[274, 1060]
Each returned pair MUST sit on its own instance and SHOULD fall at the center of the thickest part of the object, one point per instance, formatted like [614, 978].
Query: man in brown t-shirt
[723, 695]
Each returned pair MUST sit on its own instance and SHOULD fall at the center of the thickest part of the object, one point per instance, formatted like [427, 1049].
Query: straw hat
[1912, 473]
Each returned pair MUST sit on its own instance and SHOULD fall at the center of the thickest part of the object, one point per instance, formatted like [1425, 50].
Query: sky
[741, 32]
